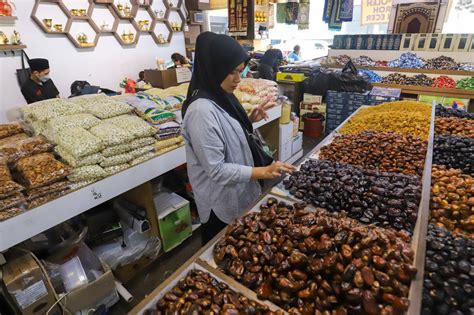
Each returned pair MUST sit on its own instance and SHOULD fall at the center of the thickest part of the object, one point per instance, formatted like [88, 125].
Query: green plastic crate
[174, 219]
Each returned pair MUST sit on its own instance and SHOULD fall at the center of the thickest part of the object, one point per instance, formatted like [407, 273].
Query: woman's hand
[275, 170]
[258, 113]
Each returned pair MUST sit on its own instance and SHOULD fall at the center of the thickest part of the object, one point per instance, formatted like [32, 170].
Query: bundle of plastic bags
[256, 92]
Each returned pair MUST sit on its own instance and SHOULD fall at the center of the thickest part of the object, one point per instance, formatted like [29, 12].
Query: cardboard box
[297, 145]
[174, 219]
[91, 294]
[191, 35]
[286, 132]
[27, 285]
[285, 151]
[164, 79]
[290, 77]
[380, 95]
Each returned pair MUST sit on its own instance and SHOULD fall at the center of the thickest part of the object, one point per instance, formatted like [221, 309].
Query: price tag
[183, 75]
[97, 195]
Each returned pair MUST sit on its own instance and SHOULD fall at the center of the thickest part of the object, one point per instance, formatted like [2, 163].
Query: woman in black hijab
[268, 66]
[221, 163]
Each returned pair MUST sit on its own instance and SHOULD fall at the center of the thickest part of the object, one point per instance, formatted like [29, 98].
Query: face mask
[245, 71]
[45, 78]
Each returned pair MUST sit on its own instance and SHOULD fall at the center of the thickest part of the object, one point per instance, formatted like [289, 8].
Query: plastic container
[73, 274]
[313, 127]
[285, 112]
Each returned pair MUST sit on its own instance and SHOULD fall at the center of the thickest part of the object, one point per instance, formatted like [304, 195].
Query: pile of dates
[200, 293]
[452, 198]
[448, 286]
[317, 262]
[401, 79]
[387, 152]
[454, 152]
[441, 63]
[386, 199]
[454, 126]
[442, 111]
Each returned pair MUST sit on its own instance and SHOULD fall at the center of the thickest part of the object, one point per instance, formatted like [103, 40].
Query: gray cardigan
[219, 162]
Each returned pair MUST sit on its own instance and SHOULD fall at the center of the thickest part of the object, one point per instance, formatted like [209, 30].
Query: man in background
[39, 86]
[295, 54]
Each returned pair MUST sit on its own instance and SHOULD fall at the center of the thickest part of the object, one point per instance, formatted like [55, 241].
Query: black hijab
[215, 58]
[272, 58]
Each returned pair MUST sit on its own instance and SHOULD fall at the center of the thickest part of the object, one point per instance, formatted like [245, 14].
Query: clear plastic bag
[140, 151]
[49, 109]
[116, 168]
[168, 149]
[25, 147]
[87, 173]
[81, 184]
[14, 138]
[46, 190]
[143, 158]
[79, 142]
[134, 124]
[168, 142]
[46, 198]
[136, 246]
[85, 121]
[10, 129]
[7, 185]
[122, 148]
[90, 98]
[110, 134]
[71, 160]
[117, 159]
[40, 170]
[10, 213]
[12, 201]
[107, 108]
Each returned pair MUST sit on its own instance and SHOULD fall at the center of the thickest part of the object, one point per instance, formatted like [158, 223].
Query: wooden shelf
[8, 19]
[421, 90]
[11, 47]
[407, 70]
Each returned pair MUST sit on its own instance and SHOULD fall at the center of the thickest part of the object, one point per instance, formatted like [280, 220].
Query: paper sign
[375, 11]
[183, 75]
[31, 294]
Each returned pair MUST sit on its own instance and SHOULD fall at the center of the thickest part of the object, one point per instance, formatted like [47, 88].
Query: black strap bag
[24, 73]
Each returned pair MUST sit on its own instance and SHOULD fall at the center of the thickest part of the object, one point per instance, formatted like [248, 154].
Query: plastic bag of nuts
[14, 138]
[122, 148]
[10, 129]
[56, 125]
[454, 126]
[87, 173]
[25, 147]
[200, 293]
[46, 190]
[10, 213]
[7, 185]
[71, 160]
[110, 134]
[79, 142]
[39, 170]
[117, 159]
[115, 169]
[46, 198]
[107, 108]
[316, 262]
[452, 198]
[48, 109]
[134, 124]
[15, 200]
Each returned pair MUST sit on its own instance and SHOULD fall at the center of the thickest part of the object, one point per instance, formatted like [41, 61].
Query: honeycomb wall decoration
[123, 12]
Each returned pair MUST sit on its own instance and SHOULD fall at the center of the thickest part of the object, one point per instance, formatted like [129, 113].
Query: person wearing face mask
[39, 86]
[224, 166]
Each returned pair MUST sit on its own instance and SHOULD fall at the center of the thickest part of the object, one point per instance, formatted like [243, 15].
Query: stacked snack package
[256, 92]
[28, 161]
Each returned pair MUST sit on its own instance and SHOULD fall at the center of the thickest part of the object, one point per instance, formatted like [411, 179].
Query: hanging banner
[375, 11]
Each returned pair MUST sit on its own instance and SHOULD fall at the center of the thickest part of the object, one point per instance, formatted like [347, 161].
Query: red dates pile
[387, 152]
[200, 293]
[449, 274]
[454, 152]
[387, 199]
[317, 262]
